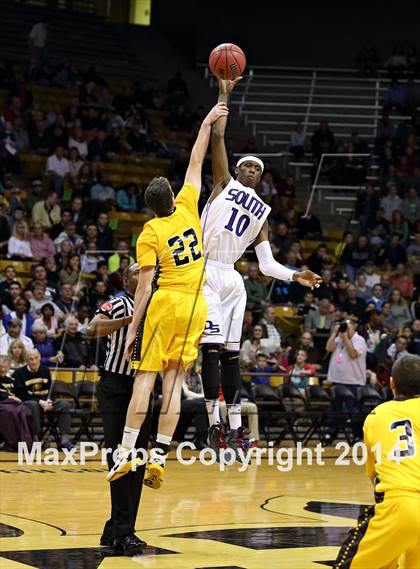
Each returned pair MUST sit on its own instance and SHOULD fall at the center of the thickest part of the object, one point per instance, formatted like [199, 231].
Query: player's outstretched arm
[141, 298]
[219, 160]
[198, 153]
[271, 268]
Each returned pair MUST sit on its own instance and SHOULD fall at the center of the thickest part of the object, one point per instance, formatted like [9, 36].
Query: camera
[343, 327]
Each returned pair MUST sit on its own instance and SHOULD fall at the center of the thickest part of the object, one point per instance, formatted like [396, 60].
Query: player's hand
[129, 346]
[309, 279]
[226, 86]
[219, 110]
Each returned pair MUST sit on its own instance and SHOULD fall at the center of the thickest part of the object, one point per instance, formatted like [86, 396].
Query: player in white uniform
[234, 218]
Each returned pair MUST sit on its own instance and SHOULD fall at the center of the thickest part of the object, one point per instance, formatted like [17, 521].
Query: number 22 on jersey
[187, 239]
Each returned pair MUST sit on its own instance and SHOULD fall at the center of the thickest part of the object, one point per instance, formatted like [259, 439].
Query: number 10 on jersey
[238, 224]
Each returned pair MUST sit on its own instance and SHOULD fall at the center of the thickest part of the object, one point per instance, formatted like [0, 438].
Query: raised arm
[198, 153]
[219, 161]
[271, 268]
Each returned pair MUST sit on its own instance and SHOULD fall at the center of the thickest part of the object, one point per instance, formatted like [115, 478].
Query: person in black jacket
[33, 387]
[75, 348]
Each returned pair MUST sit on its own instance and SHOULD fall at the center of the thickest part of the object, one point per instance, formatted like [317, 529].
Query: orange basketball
[227, 61]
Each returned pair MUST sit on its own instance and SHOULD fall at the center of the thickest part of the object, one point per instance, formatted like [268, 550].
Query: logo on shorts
[106, 306]
[211, 328]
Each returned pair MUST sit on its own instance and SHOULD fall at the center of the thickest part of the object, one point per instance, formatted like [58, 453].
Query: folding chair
[85, 392]
[60, 390]
[369, 398]
[269, 407]
[342, 395]
[319, 406]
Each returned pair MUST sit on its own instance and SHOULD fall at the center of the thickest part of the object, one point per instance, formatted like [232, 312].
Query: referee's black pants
[114, 394]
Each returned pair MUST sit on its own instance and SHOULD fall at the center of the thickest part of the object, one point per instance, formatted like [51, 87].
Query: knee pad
[231, 377]
[210, 371]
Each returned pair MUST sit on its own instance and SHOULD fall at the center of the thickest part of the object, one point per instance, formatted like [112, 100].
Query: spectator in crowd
[301, 371]
[41, 245]
[257, 344]
[393, 252]
[377, 227]
[82, 318]
[313, 355]
[47, 212]
[372, 277]
[38, 43]
[14, 329]
[297, 142]
[316, 259]
[309, 227]
[256, 291]
[78, 142]
[57, 170]
[399, 308]
[71, 273]
[387, 286]
[414, 345]
[398, 349]
[402, 281]
[9, 277]
[323, 140]
[410, 206]
[22, 313]
[391, 202]
[394, 97]
[377, 296]
[78, 215]
[127, 198]
[90, 260]
[16, 354]
[388, 319]
[60, 226]
[262, 367]
[353, 305]
[19, 247]
[319, 320]
[69, 234]
[9, 299]
[347, 366]
[102, 191]
[104, 240]
[123, 250]
[367, 60]
[400, 227]
[66, 301]
[356, 255]
[36, 395]
[45, 346]
[372, 331]
[75, 348]
[274, 332]
[48, 319]
[40, 276]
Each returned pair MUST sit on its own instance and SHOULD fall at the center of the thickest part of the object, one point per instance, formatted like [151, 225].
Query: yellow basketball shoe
[126, 461]
[154, 476]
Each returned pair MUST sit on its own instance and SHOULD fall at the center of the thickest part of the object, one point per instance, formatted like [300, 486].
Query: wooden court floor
[52, 516]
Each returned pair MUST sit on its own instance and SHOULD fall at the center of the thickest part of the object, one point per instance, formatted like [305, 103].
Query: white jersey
[232, 222]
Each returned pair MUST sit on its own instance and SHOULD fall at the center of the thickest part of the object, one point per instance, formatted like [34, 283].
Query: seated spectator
[308, 304]
[313, 355]
[75, 348]
[39, 298]
[22, 313]
[372, 278]
[15, 417]
[261, 366]
[40, 276]
[256, 291]
[17, 354]
[274, 332]
[69, 234]
[393, 252]
[77, 142]
[83, 318]
[410, 206]
[309, 227]
[14, 328]
[402, 281]
[75, 164]
[362, 290]
[377, 296]
[78, 214]
[301, 371]
[104, 240]
[91, 233]
[57, 170]
[414, 345]
[9, 277]
[48, 319]
[257, 344]
[102, 191]
[372, 331]
[123, 249]
[9, 299]
[377, 227]
[71, 274]
[41, 245]
[323, 140]
[388, 319]
[394, 97]
[47, 212]
[268, 188]
[400, 227]
[387, 286]
[399, 308]
[66, 301]
[391, 202]
[60, 226]
[297, 142]
[45, 346]
[19, 247]
[315, 260]
[340, 291]
[36, 395]
[356, 255]
[90, 259]
[319, 320]
[127, 198]
[99, 294]
[353, 305]
[398, 349]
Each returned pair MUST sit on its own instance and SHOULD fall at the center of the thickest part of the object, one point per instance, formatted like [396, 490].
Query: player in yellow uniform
[387, 534]
[177, 312]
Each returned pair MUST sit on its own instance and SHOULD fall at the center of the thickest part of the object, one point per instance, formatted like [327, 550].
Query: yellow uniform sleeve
[370, 461]
[188, 197]
[147, 247]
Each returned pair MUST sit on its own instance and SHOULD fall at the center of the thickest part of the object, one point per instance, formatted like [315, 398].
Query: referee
[114, 393]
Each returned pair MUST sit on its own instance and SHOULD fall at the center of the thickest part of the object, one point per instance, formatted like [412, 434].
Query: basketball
[227, 61]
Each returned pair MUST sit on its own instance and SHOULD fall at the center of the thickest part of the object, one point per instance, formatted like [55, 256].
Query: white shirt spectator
[59, 166]
[342, 368]
[18, 247]
[390, 204]
[82, 147]
[266, 346]
[6, 340]
[297, 138]
[38, 35]
[392, 352]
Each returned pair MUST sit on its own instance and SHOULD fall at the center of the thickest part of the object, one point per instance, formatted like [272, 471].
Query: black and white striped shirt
[117, 307]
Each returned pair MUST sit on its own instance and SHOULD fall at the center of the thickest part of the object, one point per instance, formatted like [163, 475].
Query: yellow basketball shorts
[387, 535]
[174, 323]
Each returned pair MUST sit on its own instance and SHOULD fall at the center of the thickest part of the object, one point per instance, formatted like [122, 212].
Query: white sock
[213, 411]
[163, 439]
[130, 437]
[159, 454]
[234, 414]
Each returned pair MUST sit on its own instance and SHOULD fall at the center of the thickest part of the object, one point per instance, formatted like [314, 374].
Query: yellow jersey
[175, 243]
[394, 427]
